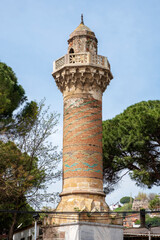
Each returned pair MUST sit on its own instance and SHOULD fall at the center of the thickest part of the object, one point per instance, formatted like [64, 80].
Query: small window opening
[71, 50]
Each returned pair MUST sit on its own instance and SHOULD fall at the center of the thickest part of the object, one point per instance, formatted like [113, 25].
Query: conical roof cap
[82, 30]
[82, 27]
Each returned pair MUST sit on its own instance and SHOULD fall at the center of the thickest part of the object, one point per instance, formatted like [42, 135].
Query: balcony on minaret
[81, 59]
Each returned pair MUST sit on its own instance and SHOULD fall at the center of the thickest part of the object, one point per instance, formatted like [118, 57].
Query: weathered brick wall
[82, 137]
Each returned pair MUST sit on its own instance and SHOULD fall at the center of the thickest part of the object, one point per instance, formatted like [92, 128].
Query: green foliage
[125, 207]
[126, 199]
[141, 196]
[155, 203]
[131, 142]
[28, 162]
[137, 222]
[7, 218]
[13, 99]
[154, 221]
[19, 173]
[11, 93]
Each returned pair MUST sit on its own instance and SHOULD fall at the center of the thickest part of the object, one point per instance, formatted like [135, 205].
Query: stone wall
[84, 231]
[139, 204]
[83, 44]
[50, 233]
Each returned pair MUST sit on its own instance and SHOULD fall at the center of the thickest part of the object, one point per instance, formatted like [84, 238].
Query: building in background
[142, 233]
[130, 220]
[139, 204]
[28, 233]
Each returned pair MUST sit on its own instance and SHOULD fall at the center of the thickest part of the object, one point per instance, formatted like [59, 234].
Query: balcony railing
[77, 59]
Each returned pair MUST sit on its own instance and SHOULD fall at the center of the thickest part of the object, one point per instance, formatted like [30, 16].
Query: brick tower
[82, 76]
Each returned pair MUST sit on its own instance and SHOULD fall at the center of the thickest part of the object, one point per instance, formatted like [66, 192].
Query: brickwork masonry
[82, 137]
[82, 77]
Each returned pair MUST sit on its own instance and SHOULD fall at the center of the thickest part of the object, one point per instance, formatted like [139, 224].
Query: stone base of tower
[78, 208]
[83, 231]
[80, 202]
[82, 199]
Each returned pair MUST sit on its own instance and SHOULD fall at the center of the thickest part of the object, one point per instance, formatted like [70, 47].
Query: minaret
[82, 76]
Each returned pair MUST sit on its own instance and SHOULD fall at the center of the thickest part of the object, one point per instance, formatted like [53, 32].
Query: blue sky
[34, 33]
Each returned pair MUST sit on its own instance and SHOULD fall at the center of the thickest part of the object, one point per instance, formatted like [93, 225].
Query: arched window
[71, 50]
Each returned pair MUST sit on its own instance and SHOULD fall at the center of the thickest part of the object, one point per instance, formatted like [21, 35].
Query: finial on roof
[82, 19]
